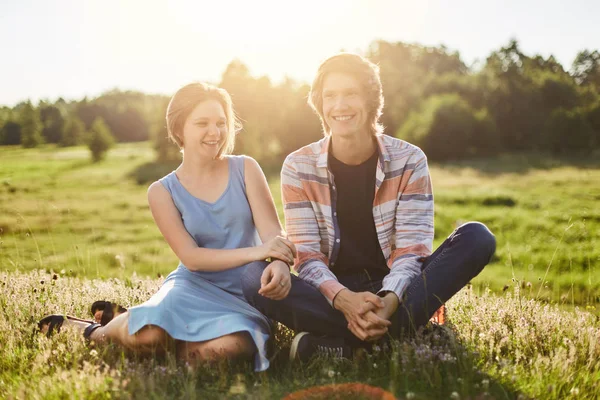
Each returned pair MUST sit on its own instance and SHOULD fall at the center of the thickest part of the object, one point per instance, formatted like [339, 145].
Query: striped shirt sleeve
[303, 230]
[413, 226]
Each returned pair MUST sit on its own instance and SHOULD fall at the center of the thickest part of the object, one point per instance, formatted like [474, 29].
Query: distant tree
[165, 149]
[11, 133]
[300, 125]
[88, 110]
[539, 63]
[557, 91]
[31, 126]
[73, 132]
[593, 118]
[446, 127]
[569, 130]
[130, 126]
[53, 122]
[5, 114]
[259, 105]
[472, 88]
[404, 69]
[586, 68]
[99, 140]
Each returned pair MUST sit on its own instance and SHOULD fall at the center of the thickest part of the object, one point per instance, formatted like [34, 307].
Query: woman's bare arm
[169, 222]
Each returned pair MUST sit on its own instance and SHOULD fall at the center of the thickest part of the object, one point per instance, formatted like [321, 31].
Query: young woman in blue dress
[217, 214]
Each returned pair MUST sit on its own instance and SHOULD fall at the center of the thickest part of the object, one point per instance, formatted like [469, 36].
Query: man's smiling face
[344, 105]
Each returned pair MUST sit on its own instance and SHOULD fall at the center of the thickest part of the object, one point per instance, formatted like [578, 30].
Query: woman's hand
[276, 281]
[277, 247]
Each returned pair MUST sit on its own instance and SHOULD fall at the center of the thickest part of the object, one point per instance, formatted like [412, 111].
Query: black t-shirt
[360, 251]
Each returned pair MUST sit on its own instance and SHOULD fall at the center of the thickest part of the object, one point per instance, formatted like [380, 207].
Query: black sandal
[56, 321]
[108, 310]
[87, 332]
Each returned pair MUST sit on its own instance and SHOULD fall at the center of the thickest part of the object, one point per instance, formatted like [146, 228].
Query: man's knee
[251, 279]
[480, 238]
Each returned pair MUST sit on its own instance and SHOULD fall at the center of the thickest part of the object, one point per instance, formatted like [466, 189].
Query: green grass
[59, 212]
[493, 347]
[90, 223]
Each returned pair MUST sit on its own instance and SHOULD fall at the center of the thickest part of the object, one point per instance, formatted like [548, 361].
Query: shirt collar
[384, 156]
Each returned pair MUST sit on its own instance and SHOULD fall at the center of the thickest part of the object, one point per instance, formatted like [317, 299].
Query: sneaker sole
[294, 348]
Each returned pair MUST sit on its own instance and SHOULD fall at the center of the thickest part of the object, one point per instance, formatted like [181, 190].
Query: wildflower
[574, 391]
[455, 395]
[410, 395]
[238, 387]
[444, 357]
[485, 383]
[331, 373]
[93, 353]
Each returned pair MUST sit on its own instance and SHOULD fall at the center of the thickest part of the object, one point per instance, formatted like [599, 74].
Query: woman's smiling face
[205, 129]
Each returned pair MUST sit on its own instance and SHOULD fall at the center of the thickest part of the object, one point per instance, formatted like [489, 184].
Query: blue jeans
[461, 257]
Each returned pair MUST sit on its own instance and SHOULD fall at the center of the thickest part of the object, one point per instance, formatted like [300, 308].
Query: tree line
[510, 102]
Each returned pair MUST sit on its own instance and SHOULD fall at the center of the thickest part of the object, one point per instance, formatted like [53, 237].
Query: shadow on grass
[434, 364]
[525, 162]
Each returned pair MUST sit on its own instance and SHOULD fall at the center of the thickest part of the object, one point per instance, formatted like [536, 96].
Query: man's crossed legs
[460, 258]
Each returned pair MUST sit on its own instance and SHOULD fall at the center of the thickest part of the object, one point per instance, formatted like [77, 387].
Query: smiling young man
[359, 207]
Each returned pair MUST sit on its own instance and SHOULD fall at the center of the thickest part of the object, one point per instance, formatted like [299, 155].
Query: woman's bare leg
[235, 346]
[149, 339]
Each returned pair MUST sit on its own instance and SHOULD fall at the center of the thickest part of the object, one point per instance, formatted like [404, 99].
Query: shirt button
[335, 213]
[333, 188]
[332, 264]
[337, 240]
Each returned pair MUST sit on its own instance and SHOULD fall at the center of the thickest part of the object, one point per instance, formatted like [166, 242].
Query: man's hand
[369, 328]
[358, 308]
[391, 305]
[275, 282]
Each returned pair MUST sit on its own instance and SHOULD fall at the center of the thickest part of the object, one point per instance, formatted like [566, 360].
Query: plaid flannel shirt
[402, 211]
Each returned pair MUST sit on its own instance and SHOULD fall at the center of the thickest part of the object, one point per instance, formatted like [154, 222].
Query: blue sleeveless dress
[195, 306]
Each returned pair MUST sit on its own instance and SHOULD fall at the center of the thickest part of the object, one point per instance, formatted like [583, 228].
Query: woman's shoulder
[162, 185]
[243, 163]
[238, 159]
[247, 168]
[157, 188]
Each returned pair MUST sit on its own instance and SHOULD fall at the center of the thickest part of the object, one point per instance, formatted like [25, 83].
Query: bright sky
[73, 48]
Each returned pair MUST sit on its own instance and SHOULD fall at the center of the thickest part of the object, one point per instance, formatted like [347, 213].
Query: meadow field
[72, 232]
